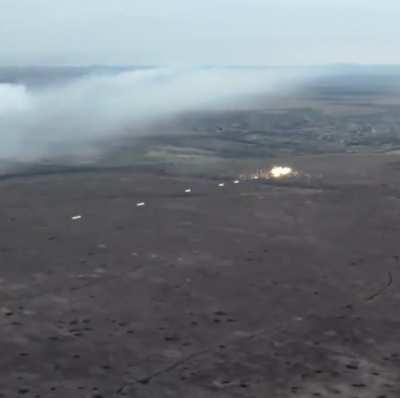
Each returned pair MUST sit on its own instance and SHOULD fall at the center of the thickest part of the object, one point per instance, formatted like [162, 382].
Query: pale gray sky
[187, 32]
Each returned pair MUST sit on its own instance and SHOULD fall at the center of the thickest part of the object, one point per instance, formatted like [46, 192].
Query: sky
[193, 32]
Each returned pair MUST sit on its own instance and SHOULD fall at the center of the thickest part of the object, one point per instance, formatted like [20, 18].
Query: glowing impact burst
[279, 172]
[275, 172]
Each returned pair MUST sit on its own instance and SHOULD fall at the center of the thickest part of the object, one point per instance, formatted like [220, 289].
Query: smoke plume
[67, 119]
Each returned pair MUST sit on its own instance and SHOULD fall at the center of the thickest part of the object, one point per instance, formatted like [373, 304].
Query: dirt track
[250, 290]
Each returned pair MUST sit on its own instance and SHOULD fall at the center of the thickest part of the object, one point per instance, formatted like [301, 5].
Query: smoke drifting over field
[64, 119]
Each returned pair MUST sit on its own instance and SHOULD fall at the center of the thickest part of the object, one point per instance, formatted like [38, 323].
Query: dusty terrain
[273, 289]
[258, 289]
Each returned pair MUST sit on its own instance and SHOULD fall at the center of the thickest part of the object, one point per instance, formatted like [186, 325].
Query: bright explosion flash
[279, 172]
[275, 172]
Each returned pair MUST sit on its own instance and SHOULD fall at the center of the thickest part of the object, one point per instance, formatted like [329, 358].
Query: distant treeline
[37, 76]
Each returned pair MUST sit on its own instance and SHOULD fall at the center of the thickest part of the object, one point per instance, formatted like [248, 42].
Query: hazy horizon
[169, 58]
[127, 65]
[185, 33]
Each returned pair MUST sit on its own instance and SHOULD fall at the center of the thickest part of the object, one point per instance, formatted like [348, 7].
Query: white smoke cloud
[34, 123]
[13, 98]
